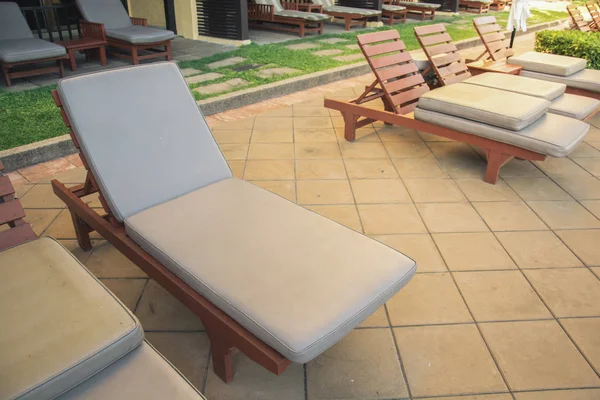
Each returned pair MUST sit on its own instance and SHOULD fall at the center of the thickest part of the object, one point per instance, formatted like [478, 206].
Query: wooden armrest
[139, 21]
[310, 7]
[92, 30]
[287, 5]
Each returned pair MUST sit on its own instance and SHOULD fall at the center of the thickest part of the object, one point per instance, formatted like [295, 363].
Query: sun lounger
[129, 34]
[19, 47]
[63, 333]
[594, 11]
[498, 5]
[450, 68]
[578, 21]
[270, 278]
[351, 15]
[393, 12]
[475, 6]
[503, 124]
[423, 10]
[555, 68]
[281, 15]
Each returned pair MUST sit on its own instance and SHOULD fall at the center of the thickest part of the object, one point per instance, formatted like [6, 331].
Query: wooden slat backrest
[594, 13]
[442, 54]
[13, 228]
[396, 73]
[577, 18]
[493, 38]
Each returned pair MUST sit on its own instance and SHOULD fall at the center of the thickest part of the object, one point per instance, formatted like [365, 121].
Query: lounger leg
[222, 356]
[495, 161]
[348, 22]
[6, 75]
[168, 49]
[82, 232]
[61, 68]
[102, 55]
[349, 126]
[134, 55]
[302, 30]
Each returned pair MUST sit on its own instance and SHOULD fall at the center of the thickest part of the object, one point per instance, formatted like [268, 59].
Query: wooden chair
[442, 54]
[393, 12]
[577, 20]
[15, 229]
[474, 6]
[594, 11]
[497, 45]
[258, 14]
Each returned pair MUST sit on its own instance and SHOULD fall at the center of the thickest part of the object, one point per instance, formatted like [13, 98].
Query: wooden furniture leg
[134, 55]
[6, 75]
[495, 161]
[168, 50]
[82, 232]
[61, 68]
[72, 62]
[349, 126]
[222, 353]
[102, 54]
[348, 21]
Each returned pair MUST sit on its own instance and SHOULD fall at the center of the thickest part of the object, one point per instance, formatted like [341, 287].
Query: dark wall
[223, 18]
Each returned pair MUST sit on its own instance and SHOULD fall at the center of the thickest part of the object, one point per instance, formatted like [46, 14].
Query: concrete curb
[46, 150]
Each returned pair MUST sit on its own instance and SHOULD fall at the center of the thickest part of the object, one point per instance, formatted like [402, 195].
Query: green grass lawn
[31, 116]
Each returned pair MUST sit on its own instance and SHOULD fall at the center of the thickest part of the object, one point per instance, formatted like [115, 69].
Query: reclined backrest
[394, 69]
[493, 38]
[594, 13]
[111, 13]
[12, 22]
[142, 135]
[442, 53]
[13, 229]
[577, 18]
[324, 3]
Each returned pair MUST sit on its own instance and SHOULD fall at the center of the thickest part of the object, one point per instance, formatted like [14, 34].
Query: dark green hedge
[570, 43]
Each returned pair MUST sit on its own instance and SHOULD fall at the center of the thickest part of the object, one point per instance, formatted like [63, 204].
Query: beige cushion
[518, 84]
[588, 79]
[552, 135]
[296, 280]
[142, 374]
[491, 106]
[59, 324]
[549, 63]
[573, 106]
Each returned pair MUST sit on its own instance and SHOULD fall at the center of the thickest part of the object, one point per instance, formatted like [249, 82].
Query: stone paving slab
[226, 62]
[211, 76]
[324, 53]
[302, 46]
[271, 72]
[221, 87]
[333, 40]
[190, 71]
[350, 57]
[352, 46]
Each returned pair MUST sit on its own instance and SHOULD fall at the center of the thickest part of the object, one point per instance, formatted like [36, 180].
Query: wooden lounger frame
[11, 215]
[400, 86]
[594, 11]
[444, 58]
[351, 19]
[498, 5]
[225, 334]
[394, 16]
[475, 7]
[6, 66]
[578, 22]
[97, 31]
[258, 14]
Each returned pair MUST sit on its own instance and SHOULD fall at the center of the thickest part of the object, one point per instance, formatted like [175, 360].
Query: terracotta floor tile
[363, 364]
[584, 244]
[158, 310]
[596, 270]
[572, 292]
[379, 191]
[429, 137]
[370, 169]
[317, 151]
[428, 299]
[584, 332]
[509, 216]
[246, 123]
[562, 167]
[479, 190]
[320, 169]
[127, 290]
[537, 189]
[188, 351]
[314, 111]
[364, 134]
[520, 168]
[21, 190]
[500, 296]
[252, 381]
[447, 360]
[581, 394]
[472, 251]
[62, 227]
[407, 149]
[286, 189]
[324, 192]
[383, 219]
[40, 219]
[395, 133]
[274, 124]
[346, 215]
[537, 355]
[237, 167]
[314, 135]
[232, 135]
[41, 196]
[452, 149]
[503, 396]
[463, 167]
[584, 150]
[451, 217]
[73, 247]
[107, 262]
[234, 151]
[564, 214]
[593, 206]
[270, 151]
[591, 165]
[313, 122]
[269, 169]
[277, 112]
[73, 175]
[581, 188]
[272, 136]
[433, 190]
[38, 171]
[376, 320]
[537, 250]
[16, 178]
[425, 167]
[419, 247]
[362, 150]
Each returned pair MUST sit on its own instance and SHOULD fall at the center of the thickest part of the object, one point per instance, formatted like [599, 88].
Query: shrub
[570, 43]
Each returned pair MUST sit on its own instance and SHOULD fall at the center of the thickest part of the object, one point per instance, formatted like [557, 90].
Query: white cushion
[552, 135]
[573, 106]
[296, 280]
[139, 34]
[138, 132]
[588, 79]
[142, 374]
[59, 325]
[28, 49]
[519, 84]
[111, 13]
[12, 22]
[491, 106]
[549, 63]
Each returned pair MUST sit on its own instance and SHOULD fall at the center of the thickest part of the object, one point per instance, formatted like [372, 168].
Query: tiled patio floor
[506, 301]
